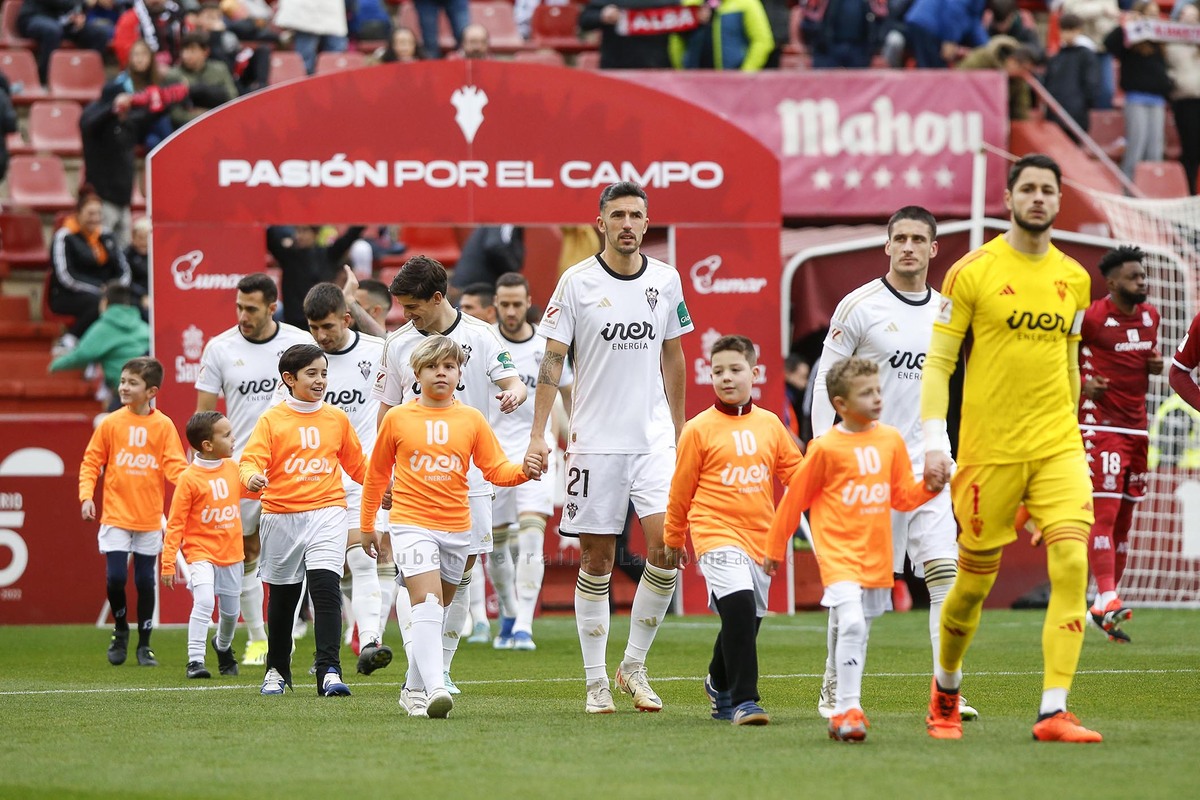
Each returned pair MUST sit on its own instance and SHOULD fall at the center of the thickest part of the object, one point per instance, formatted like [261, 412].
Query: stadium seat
[1107, 129]
[551, 58]
[436, 241]
[558, 27]
[54, 127]
[8, 26]
[76, 75]
[286, 65]
[588, 59]
[16, 144]
[340, 62]
[21, 242]
[20, 68]
[1161, 180]
[497, 17]
[39, 182]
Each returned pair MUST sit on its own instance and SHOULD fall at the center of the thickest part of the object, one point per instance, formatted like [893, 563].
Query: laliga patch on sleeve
[1077, 325]
[682, 312]
[550, 318]
[380, 381]
[945, 310]
[506, 360]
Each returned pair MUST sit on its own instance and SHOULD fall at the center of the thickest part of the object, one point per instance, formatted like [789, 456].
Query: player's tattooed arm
[551, 370]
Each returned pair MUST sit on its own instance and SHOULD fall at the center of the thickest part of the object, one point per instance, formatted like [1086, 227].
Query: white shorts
[925, 534]
[531, 496]
[420, 550]
[729, 569]
[119, 540]
[226, 580]
[600, 486]
[481, 524]
[874, 601]
[304, 540]
[251, 515]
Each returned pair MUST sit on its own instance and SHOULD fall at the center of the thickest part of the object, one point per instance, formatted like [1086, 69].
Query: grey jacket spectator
[305, 264]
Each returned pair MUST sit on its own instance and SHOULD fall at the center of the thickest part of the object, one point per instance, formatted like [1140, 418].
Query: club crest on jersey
[571, 509]
[1061, 286]
[1147, 322]
[364, 367]
[652, 297]
[466, 348]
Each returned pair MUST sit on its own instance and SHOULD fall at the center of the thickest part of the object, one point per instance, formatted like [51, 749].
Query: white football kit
[349, 386]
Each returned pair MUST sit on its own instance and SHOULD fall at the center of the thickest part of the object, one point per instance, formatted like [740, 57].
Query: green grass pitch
[73, 726]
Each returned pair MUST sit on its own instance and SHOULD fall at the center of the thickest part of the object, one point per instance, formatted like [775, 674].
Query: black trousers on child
[734, 666]
[325, 590]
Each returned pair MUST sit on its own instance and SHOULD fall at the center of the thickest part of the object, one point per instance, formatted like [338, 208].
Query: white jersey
[246, 373]
[891, 328]
[350, 384]
[488, 363]
[512, 430]
[616, 326]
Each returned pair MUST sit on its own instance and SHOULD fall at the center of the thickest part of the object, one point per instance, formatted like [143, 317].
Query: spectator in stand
[1099, 18]
[1146, 86]
[937, 28]
[85, 257]
[137, 256]
[48, 22]
[622, 44]
[894, 48]
[369, 20]
[737, 36]
[843, 33]
[1006, 21]
[250, 20]
[402, 47]
[208, 80]
[1183, 63]
[104, 13]
[779, 17]
[119, 334]
[318, 26]
[8, 123]
[305, 263]
[158, 23]
[489, 252]
[1007, 54]
[1073, 74]
[474, 42]
[797, 418]
[250, 66]
[457, 11]
[110, 133]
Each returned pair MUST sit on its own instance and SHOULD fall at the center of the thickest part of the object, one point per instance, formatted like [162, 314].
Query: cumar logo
[468, 103]
[184, 270]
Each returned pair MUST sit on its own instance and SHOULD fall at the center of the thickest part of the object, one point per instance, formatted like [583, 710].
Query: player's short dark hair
[615, 191]
[509, 280]
[483, 290]
[837, 382]
[792, 361]
[738, 344]
[421, 278]
[322, 300]
[200, 428]
[259, 282]
[377, 290]
[195, 39]
[150, 370]
[299, 356]
[1123, 254]
[117, 294]
[917, 214]
[1037, 161]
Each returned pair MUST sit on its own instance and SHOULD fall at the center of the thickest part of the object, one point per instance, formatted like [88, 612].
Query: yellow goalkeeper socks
[963, 606]
[1062, 632]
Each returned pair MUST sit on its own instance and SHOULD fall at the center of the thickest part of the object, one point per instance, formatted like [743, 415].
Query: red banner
[861, 144]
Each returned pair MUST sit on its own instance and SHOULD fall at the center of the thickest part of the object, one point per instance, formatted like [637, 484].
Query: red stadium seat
[39, 182]
[497, 17]
[286, 65]
[54, 128]
[551, 58]
[340, 62]
[76, 75]
[1107, 129]
[20, 68]
[21, 242]
[16, 144]
[436, 241]
[1161, 180]
[558, 27]
[8, 26]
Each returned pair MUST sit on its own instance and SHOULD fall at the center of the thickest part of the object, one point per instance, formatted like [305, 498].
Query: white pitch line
[514, 681]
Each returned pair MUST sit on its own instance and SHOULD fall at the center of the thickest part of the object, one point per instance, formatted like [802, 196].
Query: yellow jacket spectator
[738, 36]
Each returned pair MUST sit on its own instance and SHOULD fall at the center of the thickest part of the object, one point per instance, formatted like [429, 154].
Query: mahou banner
[857, 143]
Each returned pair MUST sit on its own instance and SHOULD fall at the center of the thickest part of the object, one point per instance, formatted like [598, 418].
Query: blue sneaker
[750, 713]
[273, 682]
[523, 640]
[332, 685]
[504, 639]
[722, 704]
[449, 684]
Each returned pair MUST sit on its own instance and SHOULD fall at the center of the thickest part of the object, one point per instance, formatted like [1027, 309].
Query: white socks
[850, 654]
[592, 621]
[455, 619]
[387, 594]
[831, 647]
[202, 611]
[478, 595]
[228, 604]
[650, 603]
[939, 577]
[531, 569]
[501, 571]
[427, 620]
[252, 602]
[1053, 700]
[365, 597]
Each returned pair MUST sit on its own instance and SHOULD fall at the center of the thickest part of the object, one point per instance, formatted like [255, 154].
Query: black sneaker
[145, 656]
[196, 669]
[373, 656]
[226, 659]
[118, 647]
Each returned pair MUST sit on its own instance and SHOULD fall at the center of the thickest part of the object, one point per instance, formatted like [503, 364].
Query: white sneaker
[633, 682]
[413, 701]
[966, 711]
[828, 699]
[600, 699]
[273, 682]
[440, 703]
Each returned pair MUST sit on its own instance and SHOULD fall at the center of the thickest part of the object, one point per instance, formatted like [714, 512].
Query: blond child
[137, 447]
[427, 445]
[723, 494]
[851, 478]
[206, 522]
[293, 457]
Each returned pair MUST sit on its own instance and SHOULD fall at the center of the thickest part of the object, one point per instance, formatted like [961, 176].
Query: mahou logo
[815, 128]
[184, 271]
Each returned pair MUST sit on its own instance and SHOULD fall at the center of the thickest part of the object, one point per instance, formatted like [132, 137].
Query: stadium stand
[54, 128]
[20, 67]
[286, 65]
[1161, 179]
[76, 75]
[39, 182]
[338, 62]
[22, 242]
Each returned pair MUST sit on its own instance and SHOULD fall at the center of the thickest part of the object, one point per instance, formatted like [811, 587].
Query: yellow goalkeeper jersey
[1023, 312]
